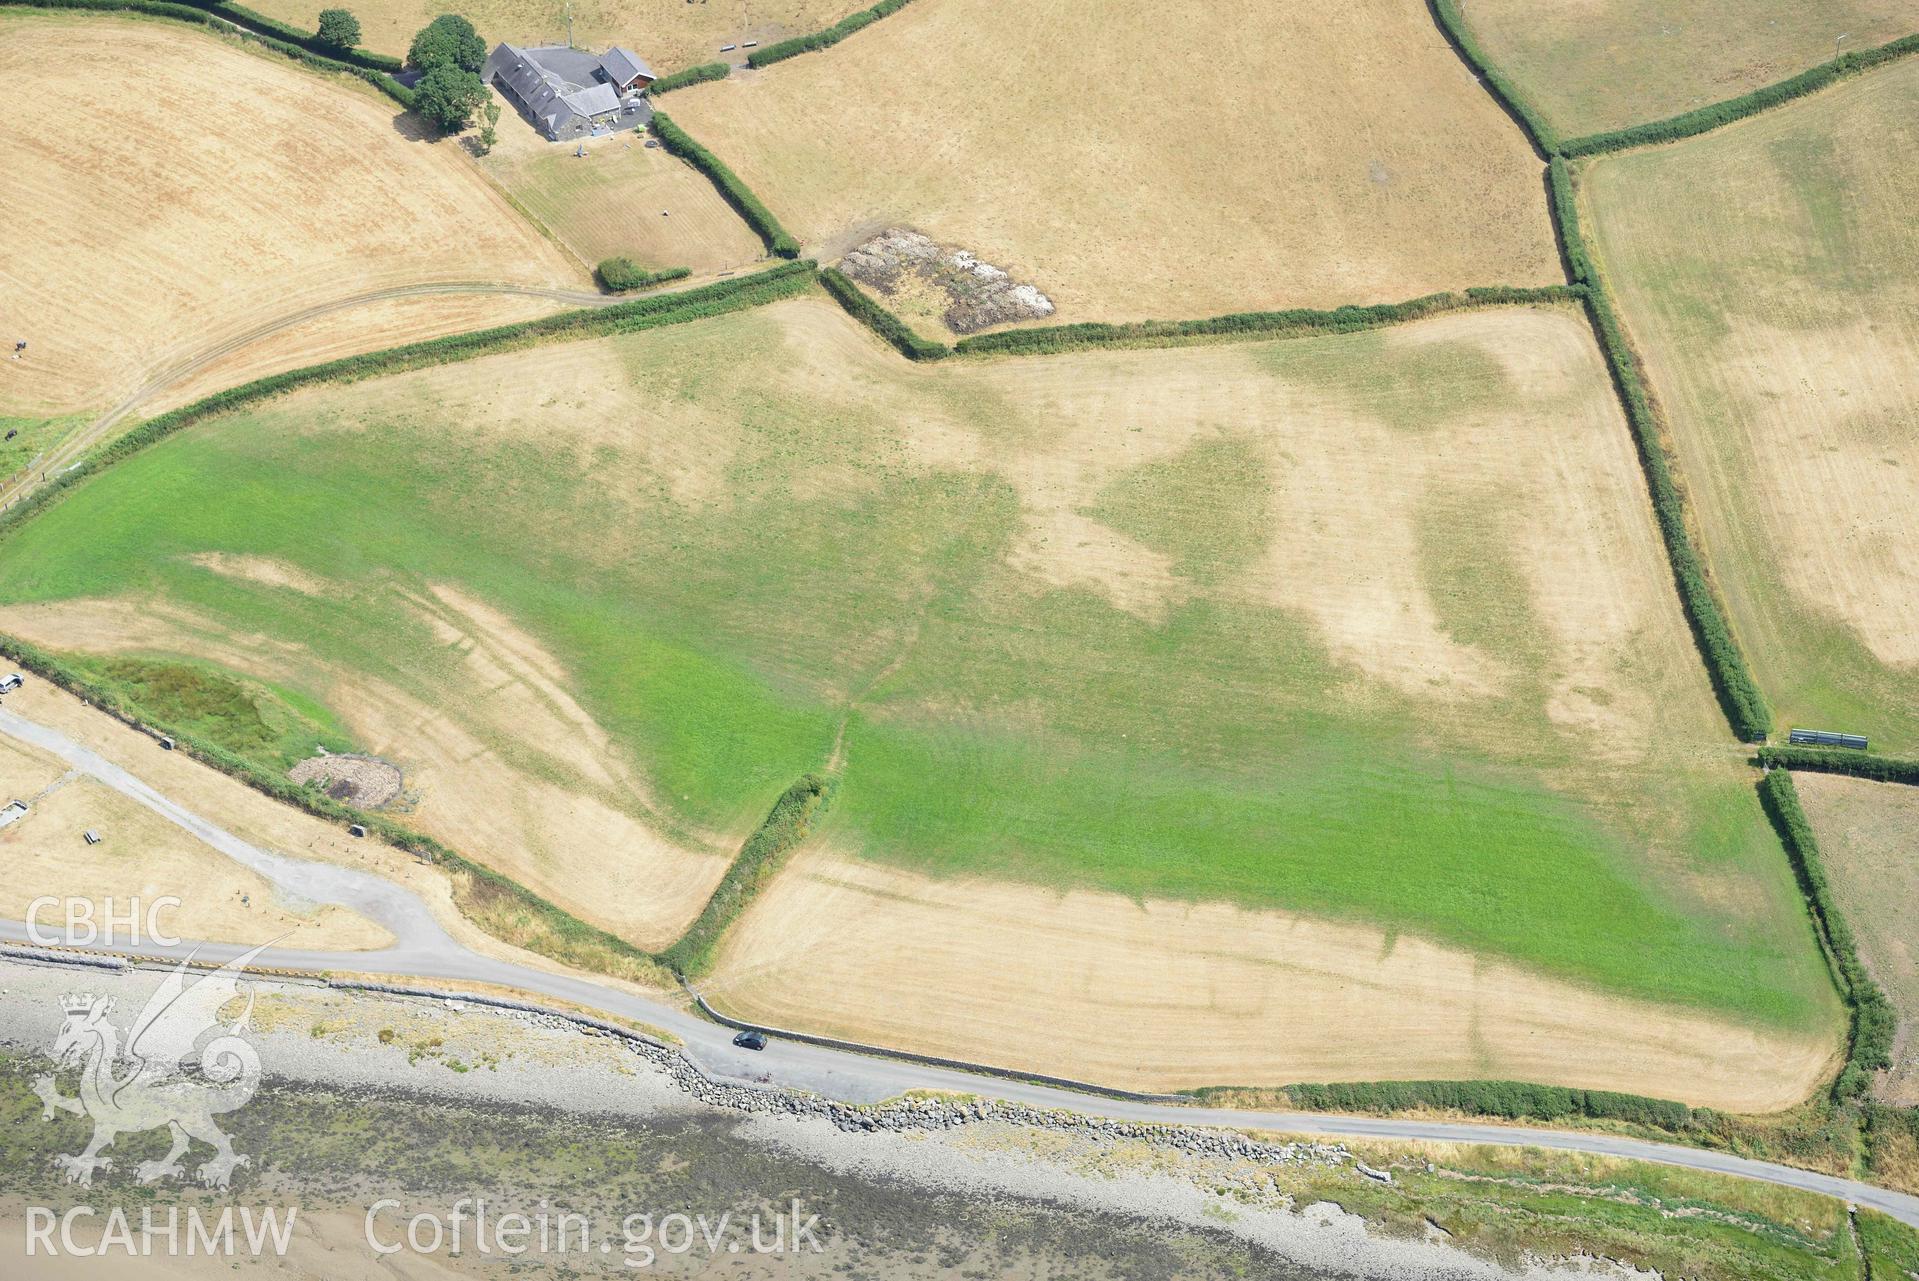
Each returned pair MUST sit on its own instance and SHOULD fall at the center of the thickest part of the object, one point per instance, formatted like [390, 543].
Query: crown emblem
[77, 1002]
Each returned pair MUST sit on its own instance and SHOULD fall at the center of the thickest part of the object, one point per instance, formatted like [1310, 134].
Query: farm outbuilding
[569, 93]
[1826, 738]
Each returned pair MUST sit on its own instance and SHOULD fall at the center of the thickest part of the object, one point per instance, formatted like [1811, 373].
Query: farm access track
[1738, 693]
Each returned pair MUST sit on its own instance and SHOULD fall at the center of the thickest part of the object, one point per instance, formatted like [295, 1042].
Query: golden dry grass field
[1134, 160]
[1869, 835]
[669, 34]
[1594, 65]
[1388, 610]
[1166, 995]
[1769, 274]
[243, 188]
[621, 198]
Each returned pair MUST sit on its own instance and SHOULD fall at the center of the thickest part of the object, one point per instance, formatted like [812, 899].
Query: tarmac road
[423, 950]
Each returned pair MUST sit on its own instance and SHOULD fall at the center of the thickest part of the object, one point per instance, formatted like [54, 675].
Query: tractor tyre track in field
[72, 449]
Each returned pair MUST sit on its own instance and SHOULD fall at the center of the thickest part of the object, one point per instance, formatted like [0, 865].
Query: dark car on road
[751, 1040]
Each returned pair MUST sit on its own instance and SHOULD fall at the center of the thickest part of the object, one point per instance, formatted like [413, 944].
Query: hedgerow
[1511, 1100]
[308, 40]
[1732, 681]
[1542, 136]
[765, 851]
[555, 932]
[206, 17]
[880, 320]
[757, 215]
[628, 317]
[1884, 769]
[623, 275]
[1873, 1019]
[1148, 333]
[691, 76]
[1687, 124]
[823, 39]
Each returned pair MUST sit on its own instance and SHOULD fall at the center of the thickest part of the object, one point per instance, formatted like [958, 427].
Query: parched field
[1769, 273]
[1869, 835]
[669, 34]
[1164, 995]
[243, 189]
[142, 857]
[1602, 64]
[1240, 155]
[621, 198]
[1374, 631]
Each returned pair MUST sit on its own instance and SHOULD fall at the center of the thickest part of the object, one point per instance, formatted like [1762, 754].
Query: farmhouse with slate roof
[569, 93]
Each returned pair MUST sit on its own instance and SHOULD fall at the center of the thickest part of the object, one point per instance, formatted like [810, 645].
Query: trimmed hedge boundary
[1883, 769]
[1451, 25]
[216, 18]
[1705, 119]
[311, 42]
[1509, 1100]
[737, 194]
[1869, 1039]
[690, 76]
[879, 319]
[826, 38]
[565, 931]
[1739, 696]
[764, 853]
[1251, 324]
[653, 312]
[623, 275]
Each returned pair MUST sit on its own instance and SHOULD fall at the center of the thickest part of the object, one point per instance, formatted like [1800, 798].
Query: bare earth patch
[977, 295]
[1161, 995]
[365, 781]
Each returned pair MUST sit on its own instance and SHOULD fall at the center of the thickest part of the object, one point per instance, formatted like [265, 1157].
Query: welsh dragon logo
[148, 1082]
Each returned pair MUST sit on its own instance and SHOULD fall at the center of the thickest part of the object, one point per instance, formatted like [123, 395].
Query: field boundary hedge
[1872, 1019]
[624, 276]
[758, 862]
[308, 40]
[1689, 124]
[563, 934]
[215, 18]
[689, 76]
[1739, 695]
[737, 193]
[1452, 25]
[1247, 325]
[1881, 769]
[878, 319]
[651, 312]
[1508, 1100]
[824, 38]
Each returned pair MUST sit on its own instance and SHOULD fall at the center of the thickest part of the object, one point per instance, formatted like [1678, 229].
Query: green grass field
[1768, 273]
[1096, 620]
[1604, 64]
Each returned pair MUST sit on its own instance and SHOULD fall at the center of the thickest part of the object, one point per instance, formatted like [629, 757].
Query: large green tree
[447, 41]
[448, 96]
[339, 29]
